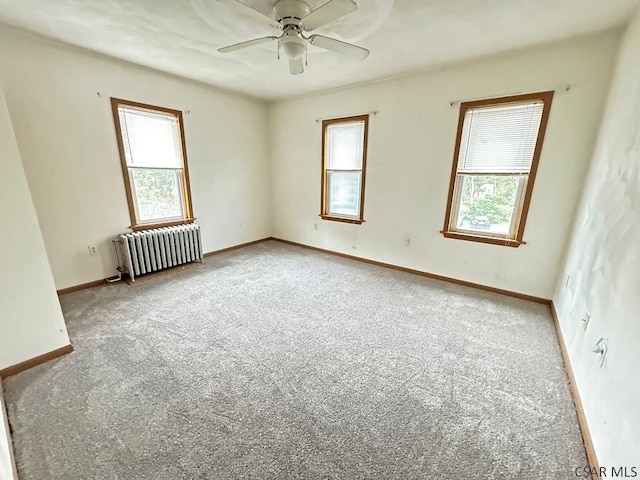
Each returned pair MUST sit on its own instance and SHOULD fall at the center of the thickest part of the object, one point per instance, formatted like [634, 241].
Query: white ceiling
[181, 36]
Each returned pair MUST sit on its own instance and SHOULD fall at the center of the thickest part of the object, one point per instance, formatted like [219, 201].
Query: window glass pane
[345, 146]
[158, 193]
[343, 193]
[150, 139]
[487, 202]
[499, 139]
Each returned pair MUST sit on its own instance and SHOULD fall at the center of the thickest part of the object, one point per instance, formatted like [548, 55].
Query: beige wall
[604, 268]
[411, 144]
[31, 322]
[67, 139]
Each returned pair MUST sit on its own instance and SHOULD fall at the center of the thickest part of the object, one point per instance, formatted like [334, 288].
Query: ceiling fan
[293, 18]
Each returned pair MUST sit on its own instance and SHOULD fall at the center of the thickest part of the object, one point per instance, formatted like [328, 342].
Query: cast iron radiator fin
[148, 251]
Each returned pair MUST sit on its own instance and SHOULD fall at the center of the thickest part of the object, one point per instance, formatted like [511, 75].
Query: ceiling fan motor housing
[290, 12]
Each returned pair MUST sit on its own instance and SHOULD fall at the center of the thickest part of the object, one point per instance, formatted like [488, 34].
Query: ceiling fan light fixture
[294, 49]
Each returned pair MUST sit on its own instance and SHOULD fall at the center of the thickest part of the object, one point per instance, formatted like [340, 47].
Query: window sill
[150, 226]
[355, 221]
[484, 239]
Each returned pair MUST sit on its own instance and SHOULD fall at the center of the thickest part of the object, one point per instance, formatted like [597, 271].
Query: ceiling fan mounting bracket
[292, 30]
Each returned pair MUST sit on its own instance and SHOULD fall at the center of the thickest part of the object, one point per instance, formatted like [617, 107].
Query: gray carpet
[276, 362]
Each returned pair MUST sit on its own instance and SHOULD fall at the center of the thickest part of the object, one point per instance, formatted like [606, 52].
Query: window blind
[345, 143]
[499, 139]
[151, 140]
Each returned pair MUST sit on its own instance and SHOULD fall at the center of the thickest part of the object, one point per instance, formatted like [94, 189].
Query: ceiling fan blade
[249, 12]
[249, 43]
[343, 48]
[296, 66]
[327, 13]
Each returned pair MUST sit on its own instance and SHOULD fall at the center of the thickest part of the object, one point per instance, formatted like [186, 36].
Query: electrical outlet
[93, 250]
[240, 224]
[353, 244]
[315, 225]
[408, 240]
[585, 320]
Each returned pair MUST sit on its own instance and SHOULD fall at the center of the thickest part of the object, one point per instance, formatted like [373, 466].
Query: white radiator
[152, 250]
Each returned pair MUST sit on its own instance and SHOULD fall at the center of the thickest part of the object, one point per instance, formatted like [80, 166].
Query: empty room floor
[274, 361]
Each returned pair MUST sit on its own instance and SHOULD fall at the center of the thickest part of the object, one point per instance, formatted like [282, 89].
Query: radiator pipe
[118, 277]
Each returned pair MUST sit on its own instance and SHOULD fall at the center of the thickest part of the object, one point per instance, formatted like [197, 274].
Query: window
[344, 158]
[495, 162]
[154, 164]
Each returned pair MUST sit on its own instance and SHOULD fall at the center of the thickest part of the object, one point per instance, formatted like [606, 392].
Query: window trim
[324, 214]
[547, 99]
[188, 206]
